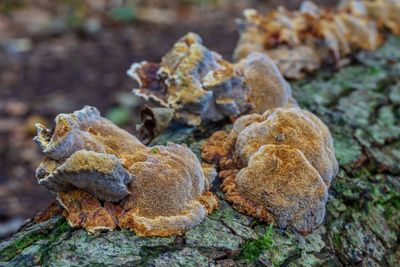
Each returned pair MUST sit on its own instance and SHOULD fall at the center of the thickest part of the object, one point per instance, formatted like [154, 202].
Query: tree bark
[361, 106]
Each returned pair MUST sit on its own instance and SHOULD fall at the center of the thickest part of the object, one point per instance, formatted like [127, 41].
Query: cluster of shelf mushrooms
[105, 178]
[277, 162]
[302, 41]
[276, 167]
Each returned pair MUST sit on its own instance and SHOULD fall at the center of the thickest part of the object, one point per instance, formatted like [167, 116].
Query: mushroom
[192, 80]
[199, 86]
[167, 192]
[104, 178]
[276, 167]
[86, 151]
[300, 41]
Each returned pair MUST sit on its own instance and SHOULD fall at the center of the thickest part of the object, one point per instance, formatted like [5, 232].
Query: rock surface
[360, 104]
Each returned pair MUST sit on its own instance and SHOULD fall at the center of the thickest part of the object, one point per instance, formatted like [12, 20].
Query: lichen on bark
[360, 105]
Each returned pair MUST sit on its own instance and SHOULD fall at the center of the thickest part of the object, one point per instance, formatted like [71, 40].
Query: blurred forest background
[56, 56]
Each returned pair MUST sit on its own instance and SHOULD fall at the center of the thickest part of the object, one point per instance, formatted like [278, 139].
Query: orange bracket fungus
[277, 166]
[200, 86]
[104, 178]
[300, 41]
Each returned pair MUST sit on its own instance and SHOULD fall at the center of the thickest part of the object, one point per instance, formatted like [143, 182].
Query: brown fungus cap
[104, 178]
[281, 181]
[293, 127]
[268, 88]
[200, 86]
[86, 151]
[85, 129]
[194, 81]
[99, 174]
[155, 209]
[384, 12]
[300, 41]
[276, 167]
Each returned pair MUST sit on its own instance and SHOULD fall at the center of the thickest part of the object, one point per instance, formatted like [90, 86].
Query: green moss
[387, 197]
[252, 249]
[362, 173]
[10, 249]
[53, 239]
[154, 150]
[224, 213]
[337, 241]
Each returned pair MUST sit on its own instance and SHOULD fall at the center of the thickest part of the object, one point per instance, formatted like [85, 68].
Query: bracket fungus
[196, 82]
[200, 86]
[105, 178]
[85, 151]
[277, 166]
[300, 41]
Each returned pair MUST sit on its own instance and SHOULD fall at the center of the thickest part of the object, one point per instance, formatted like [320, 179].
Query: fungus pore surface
[276, 167]
[104, 178]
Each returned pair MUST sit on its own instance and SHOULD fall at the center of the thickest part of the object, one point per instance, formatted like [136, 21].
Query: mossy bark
[361, 105]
